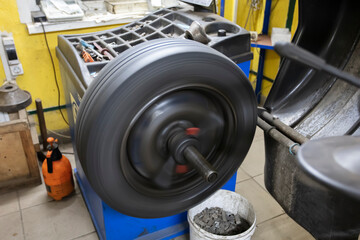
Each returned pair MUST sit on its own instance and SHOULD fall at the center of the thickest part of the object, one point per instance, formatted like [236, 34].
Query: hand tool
[103, 51]
[86, 45]
[90, 48]
[85, 55]
[99, 56]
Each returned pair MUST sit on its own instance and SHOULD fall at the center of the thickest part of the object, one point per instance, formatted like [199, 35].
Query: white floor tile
[8, 203]
[91, 236]
[66, 148]
[260, 180]
[282, 227]
[11, 227]
[255, 159]
[58, 220]
[182, 237]
[259, 135]
[77, 188]
[265, 206]
[33, 196]
[241, 175]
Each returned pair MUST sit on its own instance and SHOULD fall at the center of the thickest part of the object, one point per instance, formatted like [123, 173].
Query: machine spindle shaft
[194, 157]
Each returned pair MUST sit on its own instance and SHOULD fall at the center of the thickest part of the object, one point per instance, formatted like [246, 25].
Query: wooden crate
[18, 159]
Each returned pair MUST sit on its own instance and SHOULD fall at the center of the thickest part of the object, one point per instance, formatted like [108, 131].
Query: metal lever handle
[300, 55]
[195, 158]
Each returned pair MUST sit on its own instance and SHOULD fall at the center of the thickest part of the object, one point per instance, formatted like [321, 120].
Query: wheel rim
[146, 163]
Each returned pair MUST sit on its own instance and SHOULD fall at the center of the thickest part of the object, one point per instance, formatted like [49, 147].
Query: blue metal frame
[222, 8]
[255, 45]
[262, 51]
[266, 17]
[111, 224]
[245, 67]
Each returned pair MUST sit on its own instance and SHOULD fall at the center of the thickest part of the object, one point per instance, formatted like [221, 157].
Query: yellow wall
[38, 76]
[278, 17]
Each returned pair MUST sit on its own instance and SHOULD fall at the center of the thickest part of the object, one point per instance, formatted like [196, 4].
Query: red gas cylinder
[57, 172]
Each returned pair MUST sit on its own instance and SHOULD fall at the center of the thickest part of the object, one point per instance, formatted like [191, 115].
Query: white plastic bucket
[230, 202]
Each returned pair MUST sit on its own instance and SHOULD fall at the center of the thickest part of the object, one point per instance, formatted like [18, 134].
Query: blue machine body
[111, 224]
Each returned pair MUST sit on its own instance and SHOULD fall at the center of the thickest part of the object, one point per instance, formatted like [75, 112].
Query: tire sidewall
[128, 89]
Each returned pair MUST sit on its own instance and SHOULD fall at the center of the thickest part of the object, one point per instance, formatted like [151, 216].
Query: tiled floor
[272, 222]
[30, 214]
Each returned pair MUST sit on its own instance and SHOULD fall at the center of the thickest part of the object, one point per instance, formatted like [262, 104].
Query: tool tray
[165, 23]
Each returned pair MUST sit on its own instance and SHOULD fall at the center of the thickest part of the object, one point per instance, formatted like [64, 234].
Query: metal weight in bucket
[230, 202]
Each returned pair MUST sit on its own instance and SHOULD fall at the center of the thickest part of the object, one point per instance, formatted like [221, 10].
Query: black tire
[124, 87]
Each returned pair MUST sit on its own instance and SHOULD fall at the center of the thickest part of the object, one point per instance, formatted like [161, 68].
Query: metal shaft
[42, 124]
[278, 136]
[307, 58]
[104, 51]
[195, 158]
[285, 129]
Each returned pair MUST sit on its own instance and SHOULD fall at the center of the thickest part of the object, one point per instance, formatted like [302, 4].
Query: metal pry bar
[300, 55]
